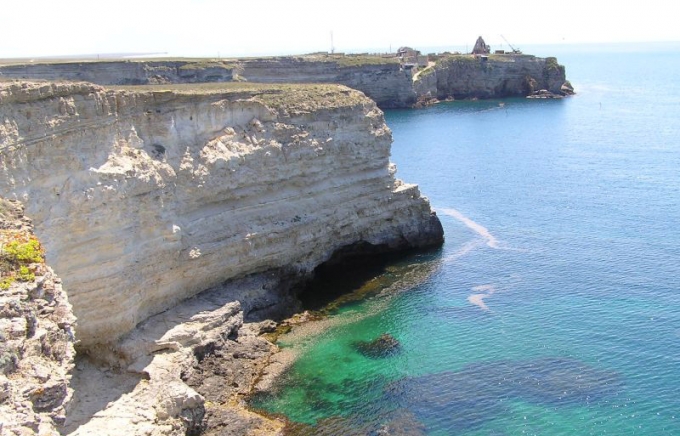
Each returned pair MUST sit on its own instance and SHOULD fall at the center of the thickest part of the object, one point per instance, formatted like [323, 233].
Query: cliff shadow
[94, 388]
[355, 272]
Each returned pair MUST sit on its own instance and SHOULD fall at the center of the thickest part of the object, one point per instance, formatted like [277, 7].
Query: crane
[514, 50]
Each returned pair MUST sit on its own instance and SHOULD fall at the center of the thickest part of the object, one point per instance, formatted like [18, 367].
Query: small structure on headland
[411, 57]
[480, 47]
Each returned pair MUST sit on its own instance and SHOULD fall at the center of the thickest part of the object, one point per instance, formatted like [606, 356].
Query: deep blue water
[553, 306]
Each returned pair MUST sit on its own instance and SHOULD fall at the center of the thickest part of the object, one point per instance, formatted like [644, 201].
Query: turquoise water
[552, 308]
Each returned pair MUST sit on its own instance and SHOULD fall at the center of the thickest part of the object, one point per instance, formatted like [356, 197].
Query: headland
[183, 202]
[394, 80]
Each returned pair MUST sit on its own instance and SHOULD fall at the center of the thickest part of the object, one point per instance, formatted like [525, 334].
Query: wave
[491, 241]
[481, 292]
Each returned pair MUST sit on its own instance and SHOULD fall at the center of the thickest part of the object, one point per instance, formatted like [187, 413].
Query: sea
[553, 307]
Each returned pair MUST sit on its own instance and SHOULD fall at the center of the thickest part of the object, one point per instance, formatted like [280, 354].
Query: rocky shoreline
[144, 198]
[184, 218]
[189, 370]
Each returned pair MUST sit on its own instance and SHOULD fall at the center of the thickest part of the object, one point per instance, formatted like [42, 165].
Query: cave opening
[347, 274]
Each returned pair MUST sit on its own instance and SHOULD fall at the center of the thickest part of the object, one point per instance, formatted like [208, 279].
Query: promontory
[180, 203]
[144, 197]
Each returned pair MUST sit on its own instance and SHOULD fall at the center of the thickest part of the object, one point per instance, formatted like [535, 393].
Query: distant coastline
[406, 78]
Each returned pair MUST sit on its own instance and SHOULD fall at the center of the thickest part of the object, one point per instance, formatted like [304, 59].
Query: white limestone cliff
[145, 197]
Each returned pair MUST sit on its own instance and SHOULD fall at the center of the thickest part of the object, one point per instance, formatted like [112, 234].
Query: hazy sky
[258, 27]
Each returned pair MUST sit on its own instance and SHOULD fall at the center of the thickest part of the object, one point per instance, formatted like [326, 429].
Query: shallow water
[553, 306]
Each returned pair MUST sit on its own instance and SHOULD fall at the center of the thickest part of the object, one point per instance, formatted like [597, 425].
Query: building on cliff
[411, 58]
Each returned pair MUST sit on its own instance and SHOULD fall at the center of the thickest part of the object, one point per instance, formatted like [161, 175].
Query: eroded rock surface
[184, 371]
[493, 76]
[381, 79]
[36, 342]
[144, 198]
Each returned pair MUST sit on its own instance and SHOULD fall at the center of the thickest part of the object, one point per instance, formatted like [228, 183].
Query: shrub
[18, 251]
[5, 283]
[25, 274]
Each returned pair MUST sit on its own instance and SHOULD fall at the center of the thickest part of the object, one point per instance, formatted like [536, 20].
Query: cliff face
[495, 76]
[383, 80]
[144, 198]
[36, 335]
[124, 72]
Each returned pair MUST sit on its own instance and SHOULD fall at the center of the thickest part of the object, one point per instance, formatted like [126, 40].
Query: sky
[224, 28]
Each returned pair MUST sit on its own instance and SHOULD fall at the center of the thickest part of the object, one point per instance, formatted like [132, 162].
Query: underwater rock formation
[384, 345]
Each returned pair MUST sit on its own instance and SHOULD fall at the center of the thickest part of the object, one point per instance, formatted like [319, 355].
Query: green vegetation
[290, 97]
[5, 283]
[551, 64]
[207, 63]
[18, 251]
[460, 58]
[23, 251]
[359, 60]
[510, 57]
[427, 71]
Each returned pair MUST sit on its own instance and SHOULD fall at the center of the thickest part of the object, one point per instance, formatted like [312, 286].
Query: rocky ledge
[145, 197]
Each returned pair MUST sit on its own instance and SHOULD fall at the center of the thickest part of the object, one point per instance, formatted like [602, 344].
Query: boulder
[384, 345]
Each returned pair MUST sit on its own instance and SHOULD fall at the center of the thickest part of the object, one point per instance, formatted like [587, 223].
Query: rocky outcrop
[384, 345]
[493, 76]
[36, 336]
[145, 198]
[160, 379]
[481, 48]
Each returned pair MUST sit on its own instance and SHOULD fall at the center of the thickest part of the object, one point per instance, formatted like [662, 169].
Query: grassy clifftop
[277, 96]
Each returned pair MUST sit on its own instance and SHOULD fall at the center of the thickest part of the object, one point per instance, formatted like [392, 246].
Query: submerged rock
[384, 345]
[397, 423]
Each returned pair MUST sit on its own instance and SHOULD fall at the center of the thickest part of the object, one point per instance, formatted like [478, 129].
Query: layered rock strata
[130, 72]
[492, 76]
[36, 341]
[144, 198]
[382, 79]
